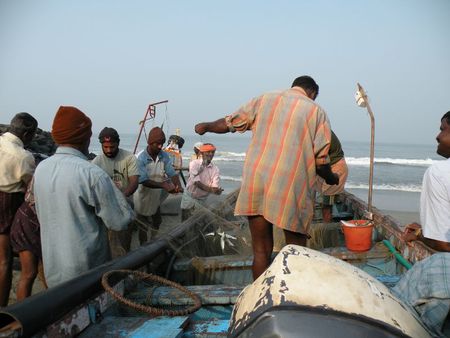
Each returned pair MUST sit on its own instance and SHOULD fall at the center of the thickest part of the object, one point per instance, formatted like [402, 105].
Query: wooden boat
[82, 307]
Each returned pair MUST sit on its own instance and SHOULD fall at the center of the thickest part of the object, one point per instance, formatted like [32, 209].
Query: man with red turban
[156, 177]
[76, 202]
[203, 181]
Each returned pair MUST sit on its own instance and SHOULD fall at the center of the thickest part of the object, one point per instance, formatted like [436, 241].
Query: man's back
[291, 136]
[74, 201]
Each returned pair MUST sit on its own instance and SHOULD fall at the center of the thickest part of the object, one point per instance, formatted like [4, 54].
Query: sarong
[9, 203]
[25, 231]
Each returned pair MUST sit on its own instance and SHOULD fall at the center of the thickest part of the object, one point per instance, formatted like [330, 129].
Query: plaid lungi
[9, 203]
[426, 288]
[25, 231]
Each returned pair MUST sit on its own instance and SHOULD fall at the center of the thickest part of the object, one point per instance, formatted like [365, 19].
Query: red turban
[71, 126]
[156, 135]
[207, 147]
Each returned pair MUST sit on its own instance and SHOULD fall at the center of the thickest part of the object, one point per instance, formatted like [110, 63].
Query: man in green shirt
[121, 166]
[338, 166]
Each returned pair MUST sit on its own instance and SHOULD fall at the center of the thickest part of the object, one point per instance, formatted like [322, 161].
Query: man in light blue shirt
[157, 177]
[76, 202]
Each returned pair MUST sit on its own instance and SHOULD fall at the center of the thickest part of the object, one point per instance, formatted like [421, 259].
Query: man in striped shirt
[279, 190]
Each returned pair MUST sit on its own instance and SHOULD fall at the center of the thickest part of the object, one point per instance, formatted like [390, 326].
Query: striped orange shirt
[291, 135]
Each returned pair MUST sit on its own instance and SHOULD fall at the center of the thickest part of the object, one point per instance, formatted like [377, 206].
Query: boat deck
[227, 276]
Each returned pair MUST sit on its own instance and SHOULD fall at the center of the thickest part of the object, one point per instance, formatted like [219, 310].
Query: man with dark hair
[156, 175]
[280, 192]
[204, 181]
[425, 287]
[76, 202]
[121, 166]
[17, 167]
[173, 149]
[435, 198]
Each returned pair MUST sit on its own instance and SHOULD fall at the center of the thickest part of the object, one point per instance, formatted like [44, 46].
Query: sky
[111, 59]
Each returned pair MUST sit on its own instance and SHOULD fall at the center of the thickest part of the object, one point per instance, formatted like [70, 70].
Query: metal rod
[372, 146]
[151, 107]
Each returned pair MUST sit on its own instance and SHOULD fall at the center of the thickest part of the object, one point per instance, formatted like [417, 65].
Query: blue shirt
[75, 200]
[147, 200]
[144, 160]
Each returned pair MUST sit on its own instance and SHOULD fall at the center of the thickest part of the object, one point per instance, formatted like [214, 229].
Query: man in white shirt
[435, 198]
[16, 170]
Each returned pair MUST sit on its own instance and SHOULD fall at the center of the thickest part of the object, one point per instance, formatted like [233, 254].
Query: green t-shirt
[118, 168]
[336, 153]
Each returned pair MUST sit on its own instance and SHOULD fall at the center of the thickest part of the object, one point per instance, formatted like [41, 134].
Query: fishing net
[215, 240]
[216, 230]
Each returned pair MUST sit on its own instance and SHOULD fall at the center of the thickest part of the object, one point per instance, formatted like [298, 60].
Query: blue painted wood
[212, 312]
[212, 328]
[160, 327]
[136, 327]
[209, 294]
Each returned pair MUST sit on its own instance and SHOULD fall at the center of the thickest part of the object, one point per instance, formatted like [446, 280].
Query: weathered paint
[77, 320]
[112, 326]
[227, 269]
[301, 276]
[209, 294]
[161, 327]
[221, 312]
[206, 329]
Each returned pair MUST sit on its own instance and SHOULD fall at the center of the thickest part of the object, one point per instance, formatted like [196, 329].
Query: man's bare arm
[413, 232]
[133, 182]
[218, 127]
[166, 185]
[212, 190]
[176, 181]
[435, 244]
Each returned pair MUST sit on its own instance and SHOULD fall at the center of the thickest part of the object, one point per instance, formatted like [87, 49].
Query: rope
[148, 309]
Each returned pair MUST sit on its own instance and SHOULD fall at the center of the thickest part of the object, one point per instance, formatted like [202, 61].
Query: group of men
[77, 201]
[86, 210]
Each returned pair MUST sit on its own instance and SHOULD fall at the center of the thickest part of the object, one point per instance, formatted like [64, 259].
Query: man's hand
[333, 179]
[168, 186]
[200, 128]
[411, 232]
[325, 172]
[216, 190]
[178, 189]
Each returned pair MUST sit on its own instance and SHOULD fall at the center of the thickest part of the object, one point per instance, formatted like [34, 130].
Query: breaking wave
[365, 161]
[386, 187]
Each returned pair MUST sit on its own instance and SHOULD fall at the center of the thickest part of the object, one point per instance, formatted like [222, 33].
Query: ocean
[398, 169]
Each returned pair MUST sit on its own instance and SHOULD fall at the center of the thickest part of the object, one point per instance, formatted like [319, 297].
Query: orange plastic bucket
[359, 237]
